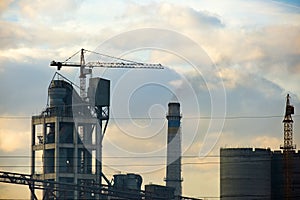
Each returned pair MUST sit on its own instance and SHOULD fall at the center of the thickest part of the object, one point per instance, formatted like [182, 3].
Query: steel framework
[288, 148]
[105, 191]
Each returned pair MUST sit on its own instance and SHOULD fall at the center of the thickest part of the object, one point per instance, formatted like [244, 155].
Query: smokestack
[173, 178]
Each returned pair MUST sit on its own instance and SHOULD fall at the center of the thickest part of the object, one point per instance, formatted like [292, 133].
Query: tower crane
[101, 111]
[86, 68]
[288, 149]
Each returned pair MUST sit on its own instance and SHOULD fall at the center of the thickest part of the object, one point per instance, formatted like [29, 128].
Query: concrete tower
[173, 178]
[67, 138]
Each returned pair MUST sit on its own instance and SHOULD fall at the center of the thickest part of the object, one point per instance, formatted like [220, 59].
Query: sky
[229, 63]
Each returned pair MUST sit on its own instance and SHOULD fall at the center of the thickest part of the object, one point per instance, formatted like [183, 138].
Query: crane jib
[86, 68]
[109, 65]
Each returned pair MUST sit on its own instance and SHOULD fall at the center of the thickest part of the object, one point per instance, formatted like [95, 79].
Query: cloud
[256, 52]
[4, 5]
[271, 53]
[188, 17]
[267, 142]
[9, 33]
[16, 36]
[48, 10]
[14, 137]
[223, 44]
[42, 25]
[171, 15]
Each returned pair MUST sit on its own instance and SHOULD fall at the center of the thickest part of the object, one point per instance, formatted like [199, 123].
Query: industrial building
[247, 173]
[66, 143]
[69, 137]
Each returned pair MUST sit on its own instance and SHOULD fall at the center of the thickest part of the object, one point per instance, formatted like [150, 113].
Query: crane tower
[288, 148]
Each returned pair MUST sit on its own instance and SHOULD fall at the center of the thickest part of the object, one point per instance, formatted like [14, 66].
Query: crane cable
[103, 55]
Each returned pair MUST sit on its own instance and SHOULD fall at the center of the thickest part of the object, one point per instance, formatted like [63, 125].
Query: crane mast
[82, 76]
[86, 68]
[288, 125]
[288, 149]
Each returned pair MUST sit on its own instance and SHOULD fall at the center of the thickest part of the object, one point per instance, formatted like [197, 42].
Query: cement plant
[70, 131]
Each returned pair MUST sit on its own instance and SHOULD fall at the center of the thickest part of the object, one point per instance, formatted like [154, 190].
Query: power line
[151, 164]
[135, 157]
[163, 118]
[15, 117]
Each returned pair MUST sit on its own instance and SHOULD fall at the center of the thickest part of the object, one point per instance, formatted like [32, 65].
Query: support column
[56, 152]
[75, 160]
[98, 156]
[32, 157]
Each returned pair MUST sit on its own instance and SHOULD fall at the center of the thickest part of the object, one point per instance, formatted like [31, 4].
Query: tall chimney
[173, 178]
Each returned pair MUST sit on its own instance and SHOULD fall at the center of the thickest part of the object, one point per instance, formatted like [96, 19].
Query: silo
[59, 97]
[120, 181]
[128, 181]
[127, 185]
[245, 173]
[134, 181]
[57, 92]
[277, 174]
[296, 176]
